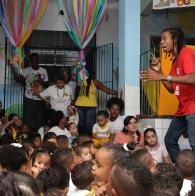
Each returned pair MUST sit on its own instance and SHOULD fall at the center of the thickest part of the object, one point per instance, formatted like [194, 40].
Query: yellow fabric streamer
[151, 91]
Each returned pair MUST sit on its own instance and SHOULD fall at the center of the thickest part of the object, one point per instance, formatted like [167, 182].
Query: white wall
[108, 29]
[153, 24]
[51, 20]
[108, 32]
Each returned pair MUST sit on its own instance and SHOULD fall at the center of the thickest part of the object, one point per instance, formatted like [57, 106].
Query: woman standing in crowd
[86, 103]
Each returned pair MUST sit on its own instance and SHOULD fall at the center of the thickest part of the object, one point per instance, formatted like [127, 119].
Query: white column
[129, 54]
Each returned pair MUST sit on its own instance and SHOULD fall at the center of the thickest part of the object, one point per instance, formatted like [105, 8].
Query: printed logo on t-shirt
[177, 90]
[35, 86]
[177, 70]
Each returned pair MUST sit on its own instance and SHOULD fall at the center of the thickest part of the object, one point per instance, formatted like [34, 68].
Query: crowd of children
[116, 160]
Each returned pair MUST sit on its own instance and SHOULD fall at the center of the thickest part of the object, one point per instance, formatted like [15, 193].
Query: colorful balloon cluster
[18, 19]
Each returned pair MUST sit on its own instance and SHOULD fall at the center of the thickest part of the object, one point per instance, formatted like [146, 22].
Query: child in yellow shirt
[101, 130]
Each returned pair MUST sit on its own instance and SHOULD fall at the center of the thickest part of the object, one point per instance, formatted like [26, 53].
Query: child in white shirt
[185, 163]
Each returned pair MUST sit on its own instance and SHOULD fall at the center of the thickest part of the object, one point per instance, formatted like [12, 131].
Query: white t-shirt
[74, 191]
[41, 132]
[102, 132]
[59, 131]
[184, 143]
[186, 187]
[117, 125]
[60, 99]
[78, 192]
[72, 187]
[74, 119]
[31, 77]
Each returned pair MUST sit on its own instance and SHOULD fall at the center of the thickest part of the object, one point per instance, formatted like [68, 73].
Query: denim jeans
[178, 125]
[87, 118]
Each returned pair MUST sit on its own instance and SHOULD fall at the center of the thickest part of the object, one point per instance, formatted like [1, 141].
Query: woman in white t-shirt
[58, 124]
[58, 96]
[115, 107]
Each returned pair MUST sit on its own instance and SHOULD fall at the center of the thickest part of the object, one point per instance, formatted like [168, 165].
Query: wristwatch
[169, 78]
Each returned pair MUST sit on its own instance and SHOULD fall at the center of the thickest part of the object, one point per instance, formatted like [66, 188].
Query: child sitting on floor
[185, 163]
[62, 141]
[105, 158]
[158, 151]
[63, 157]
[145, 158]
[83, 152]
[128, 177]
[73, 130]
[55, 176]
[35, 139]
[40, 161]
[83, 179]
[92, 148]
[73, 115]
[101, 130]
[164, 185]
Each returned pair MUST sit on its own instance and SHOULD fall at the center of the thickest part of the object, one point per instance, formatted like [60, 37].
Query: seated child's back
[145, 158]
[185, 162]
[128, 177]
[82, 178]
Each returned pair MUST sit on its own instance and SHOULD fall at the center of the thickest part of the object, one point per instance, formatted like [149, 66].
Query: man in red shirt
[181, 81]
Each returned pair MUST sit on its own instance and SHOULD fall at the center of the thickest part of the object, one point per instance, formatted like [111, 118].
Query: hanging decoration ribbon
[81, 19]
[80, 73]
[18, 19]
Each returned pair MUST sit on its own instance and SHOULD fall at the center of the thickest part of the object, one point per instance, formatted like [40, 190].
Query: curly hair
[116, 101]
[177, 34]
[54, 177]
